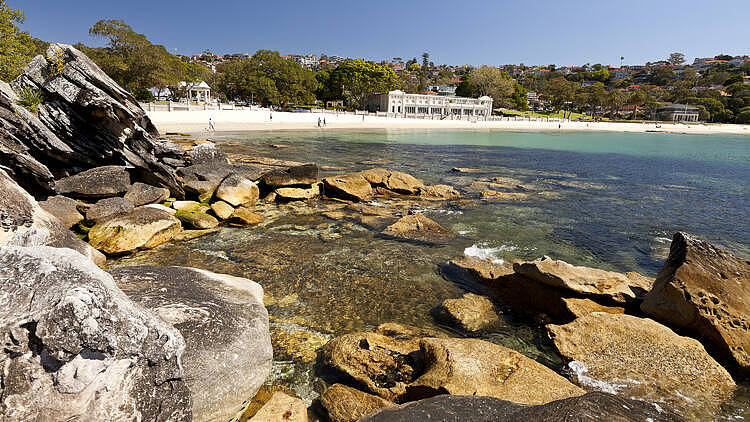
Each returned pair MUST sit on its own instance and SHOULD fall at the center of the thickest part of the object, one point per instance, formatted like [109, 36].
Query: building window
[423, 110]
[411, 110]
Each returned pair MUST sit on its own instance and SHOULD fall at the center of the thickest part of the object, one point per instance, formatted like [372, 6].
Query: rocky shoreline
[88, 177]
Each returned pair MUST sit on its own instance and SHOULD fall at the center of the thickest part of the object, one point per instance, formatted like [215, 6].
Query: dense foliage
[353, 80]
[17, 47]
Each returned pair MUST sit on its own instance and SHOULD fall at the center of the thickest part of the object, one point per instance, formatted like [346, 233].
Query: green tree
[354, 79]
[558, 91]
[17, 47]
[676, 58]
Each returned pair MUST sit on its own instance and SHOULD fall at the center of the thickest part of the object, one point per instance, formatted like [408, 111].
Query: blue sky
[453, 32]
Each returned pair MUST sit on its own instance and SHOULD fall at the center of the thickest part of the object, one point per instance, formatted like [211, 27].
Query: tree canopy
[17, 47]
[354, 79]
[492, 82]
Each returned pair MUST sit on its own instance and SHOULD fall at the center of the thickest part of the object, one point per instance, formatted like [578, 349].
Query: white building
[199, 92]
[402, 104]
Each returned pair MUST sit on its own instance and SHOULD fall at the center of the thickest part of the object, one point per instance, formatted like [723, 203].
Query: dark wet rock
[244, 216]
[143, 194]
[108, 208]
[228, 351]
[197, 220]
[591, 407]
[208, 153]
[346, 404]
[64, 208]
[471, 312]
[95, 183]
[586, 281]
[238, 190]
[298, 193]
[438, 192]
[24, 223]
[465, 170]
[144, 228]
[418, 227]
[393, 180]
[282, 407]
[76, 348]
[306, 174]
[351, 187]
[705, 289]
[382, 365]
[222, 210]
[86, 120]
[476, 367]
[641, 358]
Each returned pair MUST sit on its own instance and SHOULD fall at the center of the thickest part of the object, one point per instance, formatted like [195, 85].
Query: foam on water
[579, 370]
[482, 251]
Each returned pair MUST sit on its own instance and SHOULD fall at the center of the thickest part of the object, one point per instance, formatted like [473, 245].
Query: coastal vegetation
[17, 47]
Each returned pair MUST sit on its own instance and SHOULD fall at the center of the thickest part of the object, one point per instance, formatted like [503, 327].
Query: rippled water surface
[604, 200]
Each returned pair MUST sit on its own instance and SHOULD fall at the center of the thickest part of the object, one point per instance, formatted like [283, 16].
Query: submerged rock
[418, 227]
[64, 208]
[352, 187]
[644, 359]
[591, 407]
[706, 290]
[586, 281]
[476, 367]
[228, 351]
[438, 192]
[96, 183]
[346, 404]
[76, 348]
[24, 223]
[471, 312]
[144, 228]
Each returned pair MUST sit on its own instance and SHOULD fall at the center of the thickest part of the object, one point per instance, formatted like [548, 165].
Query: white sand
[196, 122]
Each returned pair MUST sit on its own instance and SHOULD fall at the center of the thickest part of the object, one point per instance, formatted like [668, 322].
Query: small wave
[579, 370]
[482, 251]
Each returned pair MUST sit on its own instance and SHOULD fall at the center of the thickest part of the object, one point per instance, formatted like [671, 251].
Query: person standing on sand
[270, 117]
[324, 122]
[319, 122]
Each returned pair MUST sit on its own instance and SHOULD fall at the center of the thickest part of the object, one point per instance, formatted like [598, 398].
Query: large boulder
[108, 208]
[238, 190]
[418, 227]
[395, 181]
[346, 404]
[471, 312]
[228, 351]
[95, 183]
[438, 192]
[76, 348]
[641, 358]
[64, 208]
[144, 228]
[208, 153]
[585, 281]
[306, 174]
[591, 407]
[476, 367]
[282, 407]
[86, 120]
[705, 289]
[24, 223]
[351, 187]
[143, 194]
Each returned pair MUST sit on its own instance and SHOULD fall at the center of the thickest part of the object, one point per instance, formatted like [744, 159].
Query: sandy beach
[260, 120]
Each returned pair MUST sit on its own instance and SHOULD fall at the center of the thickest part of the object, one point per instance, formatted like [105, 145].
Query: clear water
[597, 199]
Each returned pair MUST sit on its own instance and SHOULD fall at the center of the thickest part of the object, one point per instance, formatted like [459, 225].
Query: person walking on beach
[324, 122]
[211, 127]
[319, 122]
[270, 117]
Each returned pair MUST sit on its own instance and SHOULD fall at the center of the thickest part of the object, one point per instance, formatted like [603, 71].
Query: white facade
[402, 104]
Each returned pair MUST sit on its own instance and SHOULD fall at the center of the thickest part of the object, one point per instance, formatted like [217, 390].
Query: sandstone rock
[108, 208]
[197, 220]
[222, 210]
[470, 312]
[244, 216]
[393, 180]
[282, 408]
[143, 228]
[706, 290]
[381, 364]
[582, 307]
[228, 351]
[238, 190]
[208, 153]
[438, 192]
[477, 367]
[161, 207]
[202, 189]
[406, 332]
[24, 223]
[591, 282]
[96, 183]
[641, 358]
[64, 208]
[510, 196]
[591, 407]
[352, 187]
[345, 404]
[143, 194]
[306, 174]
[186, 235]
[186, 206]
[76, 348]
[86, 120]
[298, 194]
[418, 227]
